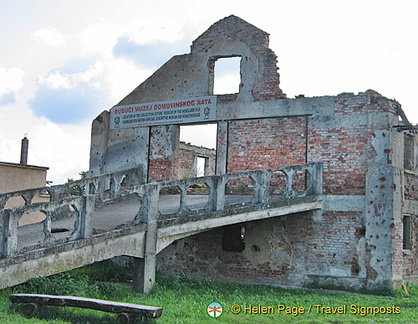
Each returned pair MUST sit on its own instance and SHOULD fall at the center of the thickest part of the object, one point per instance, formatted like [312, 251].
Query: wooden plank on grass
[90, 303]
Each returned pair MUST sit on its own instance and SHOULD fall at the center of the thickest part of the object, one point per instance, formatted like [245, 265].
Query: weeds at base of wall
[382, 291]
[185, 300]
[188, 175]
[170, 191]
[181, 281]
[199, 189]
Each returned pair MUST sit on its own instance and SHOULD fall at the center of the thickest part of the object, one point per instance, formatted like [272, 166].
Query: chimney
[24, 151]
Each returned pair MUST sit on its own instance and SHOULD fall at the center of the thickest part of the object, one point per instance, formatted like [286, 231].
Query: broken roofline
[192, 75]
[174, 80]
[228, 23]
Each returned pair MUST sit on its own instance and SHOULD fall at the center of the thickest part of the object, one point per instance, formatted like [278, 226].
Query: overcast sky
[63, 62]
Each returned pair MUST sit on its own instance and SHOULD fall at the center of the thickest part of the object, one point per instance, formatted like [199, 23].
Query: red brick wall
[281, 250]
[409, 258]
[266, 85]
[295, 248]
[163, 143]
[343, 144]
[277, 142]
[160, 170]
[335, 241]
[345, 154]
[202, 257]
[186, 160]
[268, 143]
[411, 186]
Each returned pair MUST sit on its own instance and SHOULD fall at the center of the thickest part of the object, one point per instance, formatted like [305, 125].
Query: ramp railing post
[288, 172]
[4, 225]
[9, 227]
[319, 169]
[261, 180]
[144, 269]
[220, 198]
[86, 228]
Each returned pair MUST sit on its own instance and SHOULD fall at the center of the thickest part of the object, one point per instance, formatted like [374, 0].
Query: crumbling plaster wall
[118, 149]
[191, 75]
[187, 160]
[164, 142]
[187, 76]
[405, 192]
[408, 258]
[355, 241]
[285, 250]
[352, 243]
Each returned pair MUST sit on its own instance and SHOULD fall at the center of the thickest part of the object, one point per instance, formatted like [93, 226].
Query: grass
[186, 301]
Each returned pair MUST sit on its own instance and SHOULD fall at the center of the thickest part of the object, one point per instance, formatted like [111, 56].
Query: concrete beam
[14, 272]
[144, 269]
[163, 242]
[206, 224]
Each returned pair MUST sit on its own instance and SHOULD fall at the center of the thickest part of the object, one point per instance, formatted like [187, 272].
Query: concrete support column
[138, 275]
[382, 214]
[144, 269]
[222, 148]
[86, 228]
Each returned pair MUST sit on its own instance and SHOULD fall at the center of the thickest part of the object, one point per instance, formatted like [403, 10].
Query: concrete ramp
[109, 220]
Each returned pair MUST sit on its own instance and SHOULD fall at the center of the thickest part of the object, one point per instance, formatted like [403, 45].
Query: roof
[25, 166]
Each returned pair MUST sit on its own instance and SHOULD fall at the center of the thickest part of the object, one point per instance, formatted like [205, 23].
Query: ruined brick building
[365, 236]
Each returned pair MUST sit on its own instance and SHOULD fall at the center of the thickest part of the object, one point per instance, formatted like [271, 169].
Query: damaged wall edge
[355, 242]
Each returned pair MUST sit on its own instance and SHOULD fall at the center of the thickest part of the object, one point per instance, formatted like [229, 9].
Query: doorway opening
[197, 154]
[202, 166]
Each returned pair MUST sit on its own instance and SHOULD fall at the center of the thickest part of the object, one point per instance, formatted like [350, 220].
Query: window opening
[409, 156]
[227, 75]
[233, 238]
[407, 232]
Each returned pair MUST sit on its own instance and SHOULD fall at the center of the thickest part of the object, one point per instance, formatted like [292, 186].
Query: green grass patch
[186, 301]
